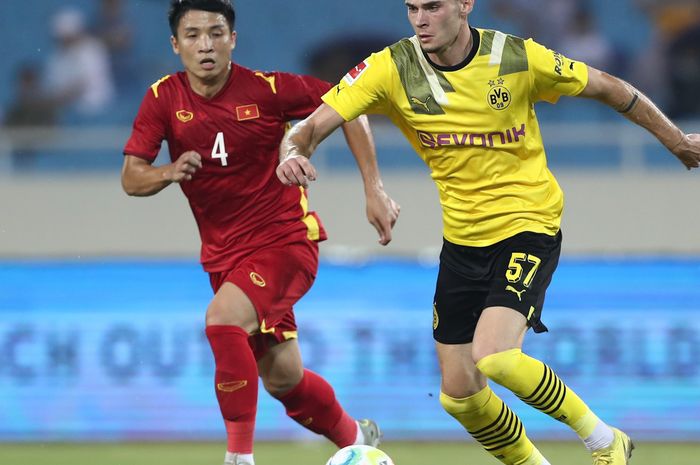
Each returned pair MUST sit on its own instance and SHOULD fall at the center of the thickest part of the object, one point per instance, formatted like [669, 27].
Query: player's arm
[140, 178]
[300, 143]
[639, 109]
[382, 211]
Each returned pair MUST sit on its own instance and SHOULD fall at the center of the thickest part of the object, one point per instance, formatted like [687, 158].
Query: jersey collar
[221, 91]
[476, 42]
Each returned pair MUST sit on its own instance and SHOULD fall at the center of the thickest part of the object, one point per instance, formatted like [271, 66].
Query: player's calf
[499, 431]
[538, 386]
[312, 404]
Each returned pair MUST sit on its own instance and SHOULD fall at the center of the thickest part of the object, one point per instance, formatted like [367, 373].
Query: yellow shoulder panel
[270, 80]
[154, 86]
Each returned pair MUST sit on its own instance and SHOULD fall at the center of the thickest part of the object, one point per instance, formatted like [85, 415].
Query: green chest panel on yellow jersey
[511, 49]
[416, 74]
[413, 78]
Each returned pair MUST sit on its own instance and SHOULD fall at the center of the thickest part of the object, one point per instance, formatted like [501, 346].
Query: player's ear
[233, 40]
[173, 42]
[466, 7]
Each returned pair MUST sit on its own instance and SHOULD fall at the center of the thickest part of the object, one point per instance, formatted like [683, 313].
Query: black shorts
[513, 273]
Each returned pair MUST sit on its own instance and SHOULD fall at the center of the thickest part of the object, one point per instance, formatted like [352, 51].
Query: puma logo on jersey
[422, 104]
[516, 292]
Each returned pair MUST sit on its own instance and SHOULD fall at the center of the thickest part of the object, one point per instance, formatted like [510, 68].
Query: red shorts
[274, 278]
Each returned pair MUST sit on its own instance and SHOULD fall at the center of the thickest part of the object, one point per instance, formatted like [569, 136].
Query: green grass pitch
[316, 453]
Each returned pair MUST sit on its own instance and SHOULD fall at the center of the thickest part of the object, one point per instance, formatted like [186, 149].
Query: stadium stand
[288, 41]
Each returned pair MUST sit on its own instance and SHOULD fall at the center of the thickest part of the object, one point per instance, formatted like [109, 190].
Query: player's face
[438, 23]
[204, 43]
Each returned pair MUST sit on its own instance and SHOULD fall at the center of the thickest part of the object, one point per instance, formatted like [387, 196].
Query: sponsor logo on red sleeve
[356, 72]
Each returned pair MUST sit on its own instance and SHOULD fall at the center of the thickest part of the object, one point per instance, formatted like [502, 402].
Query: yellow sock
[537, 385]
[489, 420]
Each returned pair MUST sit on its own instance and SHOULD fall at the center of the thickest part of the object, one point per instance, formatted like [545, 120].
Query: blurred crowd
[89, 65]
[92, 62]
[667, 68]
[674, 55]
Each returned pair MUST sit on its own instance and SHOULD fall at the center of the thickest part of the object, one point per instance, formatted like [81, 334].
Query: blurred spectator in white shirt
[78, 73]
[112, 26]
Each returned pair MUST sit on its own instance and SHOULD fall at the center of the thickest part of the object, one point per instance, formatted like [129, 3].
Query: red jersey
[237, 200]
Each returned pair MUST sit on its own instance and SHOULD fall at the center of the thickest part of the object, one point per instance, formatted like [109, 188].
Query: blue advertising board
[115, 350]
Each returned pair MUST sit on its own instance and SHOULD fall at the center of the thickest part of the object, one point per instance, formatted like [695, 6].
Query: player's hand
[185, 166]
[688, 150]
[382, 213]
[296, 170]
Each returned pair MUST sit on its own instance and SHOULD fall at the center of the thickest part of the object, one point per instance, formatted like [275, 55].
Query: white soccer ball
[360, 455]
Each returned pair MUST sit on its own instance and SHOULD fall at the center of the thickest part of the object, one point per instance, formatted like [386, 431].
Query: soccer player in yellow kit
[464, 98]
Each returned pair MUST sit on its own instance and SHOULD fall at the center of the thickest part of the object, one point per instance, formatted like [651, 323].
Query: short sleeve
[552, 74]
[297, 95]
[364, 89]
[149, 129]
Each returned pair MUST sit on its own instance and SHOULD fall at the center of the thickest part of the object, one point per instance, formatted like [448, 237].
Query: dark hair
[178, 8]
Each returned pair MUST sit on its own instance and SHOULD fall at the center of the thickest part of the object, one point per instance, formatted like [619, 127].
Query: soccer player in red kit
[224, 124]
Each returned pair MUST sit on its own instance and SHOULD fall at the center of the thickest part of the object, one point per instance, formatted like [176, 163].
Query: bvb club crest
[499, 97]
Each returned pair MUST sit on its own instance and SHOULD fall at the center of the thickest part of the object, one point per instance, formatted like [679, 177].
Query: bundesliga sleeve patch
[354, 74]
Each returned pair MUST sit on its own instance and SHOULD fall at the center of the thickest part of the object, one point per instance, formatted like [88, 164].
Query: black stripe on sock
[549, 395]
[505, 431]
[494, 423]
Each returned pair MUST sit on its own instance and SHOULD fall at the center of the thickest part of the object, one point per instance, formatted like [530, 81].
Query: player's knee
[280, 385]
[232, 307]
[217, 315]
[220, 314]
[462, 383]
[483, 347]
[499, 366]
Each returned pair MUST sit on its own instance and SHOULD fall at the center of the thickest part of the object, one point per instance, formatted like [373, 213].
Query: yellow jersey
[475, 127]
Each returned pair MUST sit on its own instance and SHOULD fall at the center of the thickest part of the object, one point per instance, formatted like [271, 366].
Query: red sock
[313, 405]
[236, 384]
[239, 436]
